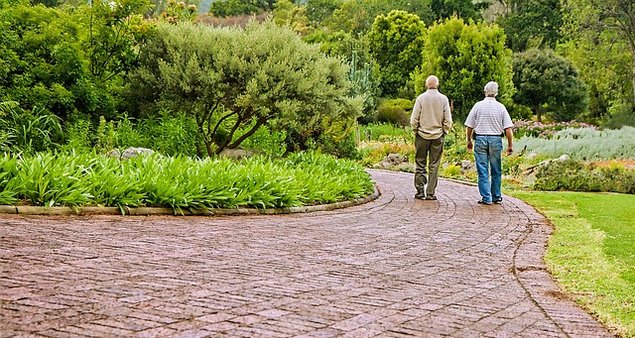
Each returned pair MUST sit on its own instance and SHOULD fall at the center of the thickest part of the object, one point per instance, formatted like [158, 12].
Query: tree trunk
[538, 113]
[633, 77]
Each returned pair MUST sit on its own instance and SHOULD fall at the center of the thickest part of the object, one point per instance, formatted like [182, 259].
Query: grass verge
[591, 253]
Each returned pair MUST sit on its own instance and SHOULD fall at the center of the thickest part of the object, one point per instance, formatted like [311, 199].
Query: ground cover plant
[583, 144]
[47, 179]
[591, 252]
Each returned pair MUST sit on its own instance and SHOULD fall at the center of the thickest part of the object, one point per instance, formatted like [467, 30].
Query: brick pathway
[394, 267]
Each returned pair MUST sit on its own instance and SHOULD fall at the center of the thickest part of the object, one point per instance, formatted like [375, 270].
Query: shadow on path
[394, 267]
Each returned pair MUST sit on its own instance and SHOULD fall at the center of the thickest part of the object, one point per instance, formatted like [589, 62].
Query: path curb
[148, 211]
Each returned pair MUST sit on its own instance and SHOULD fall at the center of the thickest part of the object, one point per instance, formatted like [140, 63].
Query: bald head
[432, 82]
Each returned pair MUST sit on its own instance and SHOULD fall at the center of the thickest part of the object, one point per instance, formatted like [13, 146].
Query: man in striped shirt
[431, 119]
[488, 121]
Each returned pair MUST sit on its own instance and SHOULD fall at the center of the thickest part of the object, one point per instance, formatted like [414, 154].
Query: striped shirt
[489, 117]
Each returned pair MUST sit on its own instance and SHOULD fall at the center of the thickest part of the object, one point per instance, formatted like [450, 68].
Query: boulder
[236, 153]
[134, 152]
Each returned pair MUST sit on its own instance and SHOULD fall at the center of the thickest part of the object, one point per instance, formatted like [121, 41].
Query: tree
[594, 20]
[464, 9]
[532, 23]
[465, 57]
[235, 81]
[548, 83]
[357, 16]
[396, 42]
[319, 11]
[294, 16]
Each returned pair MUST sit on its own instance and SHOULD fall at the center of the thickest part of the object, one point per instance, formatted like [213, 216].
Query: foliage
[225, 8]
[395, 111]
[396, 41]
[286, 13]
[532, 24]
[601, 43]
[373, 152]
[267, 142]
[319, 11]
[169, 134]
[465, 57]
[386, 132]
[357, 16]
[464, 9]
[29, 130]
[548, 84]
[545, 130]
[69, 59]
[584, 144]
[572, 175]
[41, 63]
[230, 79]
[591, 252]
[180, 183]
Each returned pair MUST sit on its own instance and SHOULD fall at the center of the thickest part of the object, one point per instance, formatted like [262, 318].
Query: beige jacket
[431, 117]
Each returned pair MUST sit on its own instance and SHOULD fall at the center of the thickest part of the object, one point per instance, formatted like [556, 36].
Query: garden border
[148, 211]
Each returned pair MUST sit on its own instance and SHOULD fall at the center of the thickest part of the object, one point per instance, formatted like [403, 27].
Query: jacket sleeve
[416, 115]
[447, 116]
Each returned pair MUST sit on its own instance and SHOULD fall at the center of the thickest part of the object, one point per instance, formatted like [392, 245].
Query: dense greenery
[548, 83]
[465, 56]
[233, 81]
[396, 42]
[177, 182]
[591, 252]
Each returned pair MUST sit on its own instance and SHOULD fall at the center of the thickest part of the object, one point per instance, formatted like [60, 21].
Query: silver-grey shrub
[584, 144]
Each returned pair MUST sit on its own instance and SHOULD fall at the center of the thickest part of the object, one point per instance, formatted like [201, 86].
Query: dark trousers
[428, 154]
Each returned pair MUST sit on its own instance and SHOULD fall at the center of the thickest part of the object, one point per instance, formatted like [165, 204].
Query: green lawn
[592, 251]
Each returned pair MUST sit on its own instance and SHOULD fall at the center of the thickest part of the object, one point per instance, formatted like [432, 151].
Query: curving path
[395, 267]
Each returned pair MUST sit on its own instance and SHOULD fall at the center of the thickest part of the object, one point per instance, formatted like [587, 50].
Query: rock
[114, 153]
[134, 152]
[236, 153]
[563, 158]
[465, 165]
[392, 161]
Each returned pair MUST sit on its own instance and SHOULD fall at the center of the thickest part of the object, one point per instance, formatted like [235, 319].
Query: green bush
[29, 130]
[395, 111]
[575, 176]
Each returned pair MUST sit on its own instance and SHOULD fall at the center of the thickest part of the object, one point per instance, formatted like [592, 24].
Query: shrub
[584, 144]
[29, 130]
[395, 111]
[545, 130]
[575, 176]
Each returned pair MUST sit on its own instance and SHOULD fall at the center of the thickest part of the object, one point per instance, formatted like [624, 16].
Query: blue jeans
[487, 154]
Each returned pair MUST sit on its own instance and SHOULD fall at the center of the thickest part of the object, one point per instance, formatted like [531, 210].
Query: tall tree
[465, 57]
[532, 23]
[548, 83]
[464, 9]
[590, 19]
[396, 42]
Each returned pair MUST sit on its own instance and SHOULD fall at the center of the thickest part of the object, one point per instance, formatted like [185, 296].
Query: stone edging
[147, 211]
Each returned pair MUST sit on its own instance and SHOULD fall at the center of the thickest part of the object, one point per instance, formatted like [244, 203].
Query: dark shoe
[420, 197]
[484, 203]
[498, 201]
[431, 198]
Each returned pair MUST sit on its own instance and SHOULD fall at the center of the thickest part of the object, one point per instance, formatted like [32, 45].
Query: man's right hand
[470, 146]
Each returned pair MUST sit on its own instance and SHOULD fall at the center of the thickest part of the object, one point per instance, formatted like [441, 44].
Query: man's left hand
[510, 150]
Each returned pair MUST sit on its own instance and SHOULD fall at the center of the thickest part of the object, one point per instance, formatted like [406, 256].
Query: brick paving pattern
[395, 267]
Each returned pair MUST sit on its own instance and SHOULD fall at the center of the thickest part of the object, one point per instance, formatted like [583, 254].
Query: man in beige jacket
[431, 119]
